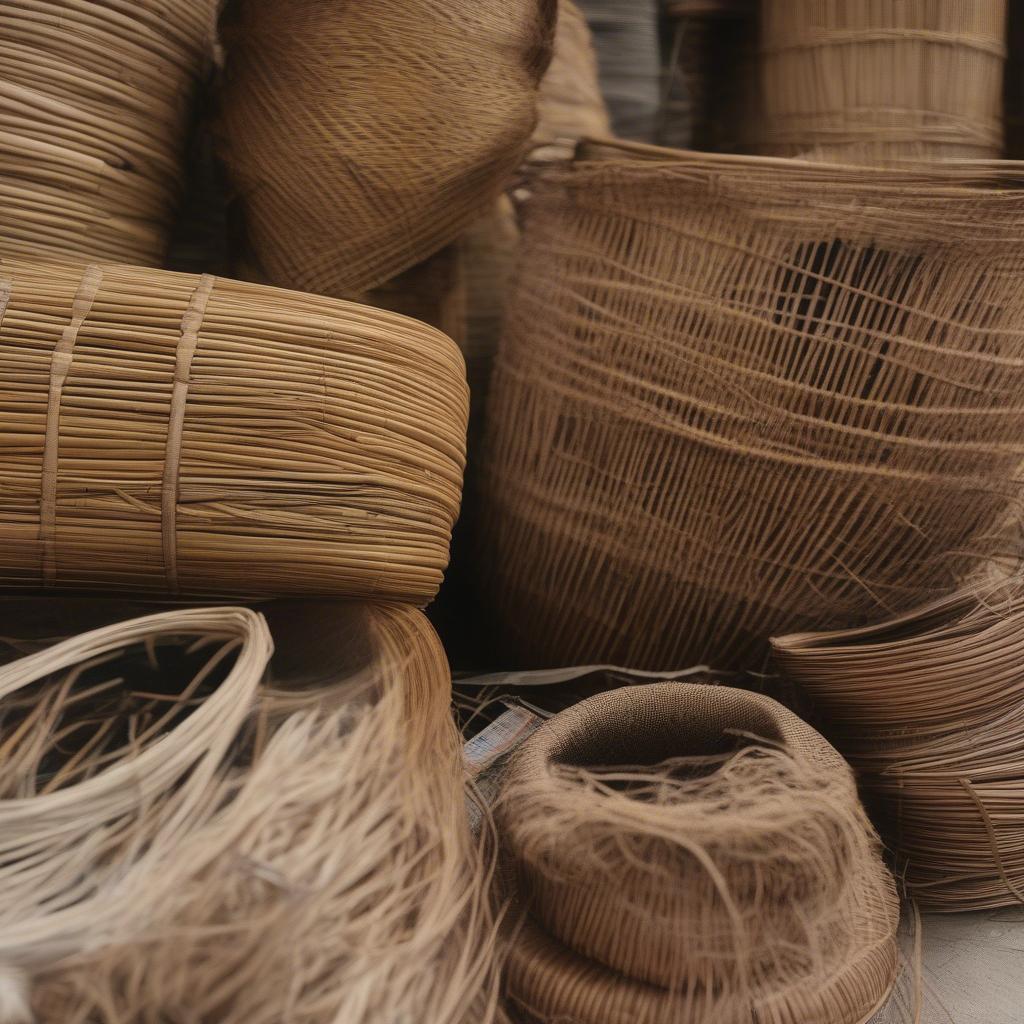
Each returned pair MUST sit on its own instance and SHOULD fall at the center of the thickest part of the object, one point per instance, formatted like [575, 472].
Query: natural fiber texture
[279, 854]
[737, 397]
[170, 432]
[929, 707]
[94, 101]
[692, 853]
[859, 80]
[312, 89]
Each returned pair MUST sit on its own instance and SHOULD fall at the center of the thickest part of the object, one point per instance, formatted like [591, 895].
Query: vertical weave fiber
[737, 397]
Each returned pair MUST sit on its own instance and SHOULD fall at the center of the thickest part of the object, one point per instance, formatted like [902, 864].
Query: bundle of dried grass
[164, 431]
[687, 852]
[874, 82]
[95, 98]
[929, 707]
[737, 397]
[313, 87]
[219, 852]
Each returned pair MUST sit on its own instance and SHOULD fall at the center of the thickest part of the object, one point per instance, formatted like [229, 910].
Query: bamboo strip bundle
[94, 102]
[876, 82]
[312, 88]
[211, 887]
[929, 707]
[737, 397]
[687, 852]
[170, 432]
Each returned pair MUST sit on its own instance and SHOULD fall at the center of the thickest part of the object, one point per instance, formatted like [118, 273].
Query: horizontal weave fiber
[94, 107]
[740, 397]
[313, 88]
[172, 432]
[875, 82]
[686, 852]
[929, 708]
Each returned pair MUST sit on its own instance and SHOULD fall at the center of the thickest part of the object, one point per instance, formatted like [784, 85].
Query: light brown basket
[172, 432]
[875, 82]
[737, 397]
[94, 105]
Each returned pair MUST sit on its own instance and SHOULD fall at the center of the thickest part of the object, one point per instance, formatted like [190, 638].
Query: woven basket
[170, 432]
[740, 397]
[94, 104]
[875, 82]
[312, 88]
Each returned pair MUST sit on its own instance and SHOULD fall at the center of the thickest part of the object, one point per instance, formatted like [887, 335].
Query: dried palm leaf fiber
[737, 397]
[172, 432]
[295, 854]
[362, 138]
[687, 852]
[929, 707]
[94, 103]
[873, 82]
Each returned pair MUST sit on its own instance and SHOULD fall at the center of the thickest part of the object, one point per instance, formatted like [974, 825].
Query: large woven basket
[738, 397]
[172, 432]
[312, 90]
[94, 105]
[875, 82]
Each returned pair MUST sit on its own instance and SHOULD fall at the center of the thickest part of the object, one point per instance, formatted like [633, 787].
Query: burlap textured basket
[692, 853]
[94, 106]
[172, 432]
[737, 397]
[929, 707]
[872, 82]
[313, 88]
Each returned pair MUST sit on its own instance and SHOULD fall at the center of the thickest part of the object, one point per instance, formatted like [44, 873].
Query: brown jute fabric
[172, 432]
[312, 89]
[94, 108]
[737, 397]
[874, 82]
[230, 851]
[687, 852]
[929, 707]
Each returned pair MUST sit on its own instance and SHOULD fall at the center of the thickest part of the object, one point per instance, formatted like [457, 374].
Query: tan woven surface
[873, 82]
[94, 104]
[692, 853]
[166, 431]
[738, 397]
[311, 90]
[928, 707]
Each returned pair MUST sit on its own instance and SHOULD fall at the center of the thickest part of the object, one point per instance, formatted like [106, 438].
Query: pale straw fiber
[169, 432]
[362, 138]
[685, 852]
[872, 82]
[929, 707]
[739, 397]
[94, 108]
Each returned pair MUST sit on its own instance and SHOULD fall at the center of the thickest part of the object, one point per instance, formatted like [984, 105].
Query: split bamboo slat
[869, 81]
[94, 107]
[929, 709]
[166, 432]
[737, 397]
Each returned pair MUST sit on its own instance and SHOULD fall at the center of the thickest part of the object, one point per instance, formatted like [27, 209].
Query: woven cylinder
[170, 432]
[738, 397]
[312, 89]
[929, 707]
[94, 107]
[876, 82]
[704, 858]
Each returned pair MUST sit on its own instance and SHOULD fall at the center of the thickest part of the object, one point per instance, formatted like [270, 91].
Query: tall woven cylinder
[94, 108]
[873, 82]
[362, 138]
[172, 432]
[738, 397]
